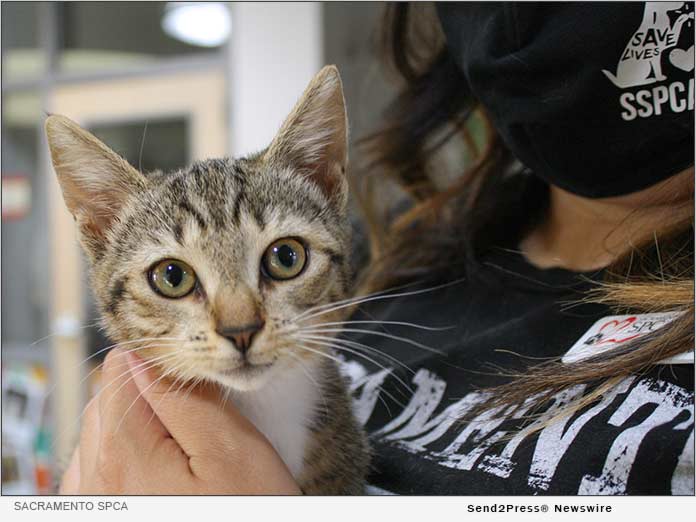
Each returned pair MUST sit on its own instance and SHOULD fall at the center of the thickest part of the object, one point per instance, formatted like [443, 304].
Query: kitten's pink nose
[242, 336]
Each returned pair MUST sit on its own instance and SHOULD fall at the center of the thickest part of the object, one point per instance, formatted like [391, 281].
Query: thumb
[70, 483]
[196, 416]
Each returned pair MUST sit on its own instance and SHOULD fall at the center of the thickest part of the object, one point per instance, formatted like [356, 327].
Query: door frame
[199, 96]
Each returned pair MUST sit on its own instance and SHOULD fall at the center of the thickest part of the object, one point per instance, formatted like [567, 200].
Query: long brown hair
[494, 201]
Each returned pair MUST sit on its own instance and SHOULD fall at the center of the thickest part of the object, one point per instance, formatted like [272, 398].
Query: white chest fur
[283, 410]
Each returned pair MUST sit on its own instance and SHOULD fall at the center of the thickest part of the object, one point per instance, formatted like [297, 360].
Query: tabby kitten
[218, 272]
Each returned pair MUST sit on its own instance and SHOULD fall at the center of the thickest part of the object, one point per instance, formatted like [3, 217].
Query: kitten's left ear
[314, 138]
[96, 182]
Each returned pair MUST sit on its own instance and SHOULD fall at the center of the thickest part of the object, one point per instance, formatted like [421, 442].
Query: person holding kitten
[546, 256]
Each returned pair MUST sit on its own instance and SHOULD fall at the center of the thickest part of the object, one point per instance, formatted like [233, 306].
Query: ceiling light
[206, 24]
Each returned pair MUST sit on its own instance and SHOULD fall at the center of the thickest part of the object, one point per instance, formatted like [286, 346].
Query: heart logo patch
[611, 332]
[616, 330]
[683, 59]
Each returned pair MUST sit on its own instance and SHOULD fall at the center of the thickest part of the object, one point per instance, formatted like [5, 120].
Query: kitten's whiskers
[357, 345]
[393, 323]
[381, 388]
[319, 329]
[378, 296]
[330, 344]
[116, 345]
[350, 300]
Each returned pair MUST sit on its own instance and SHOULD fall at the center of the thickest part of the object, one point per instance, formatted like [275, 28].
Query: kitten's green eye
[172, 278]
[284, 259]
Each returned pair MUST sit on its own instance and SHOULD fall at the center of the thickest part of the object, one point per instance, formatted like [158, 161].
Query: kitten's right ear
[94, 179]
[313, 140]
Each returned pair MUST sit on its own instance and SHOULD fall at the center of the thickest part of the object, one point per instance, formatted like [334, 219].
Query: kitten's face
[214, 270]
[223, 258]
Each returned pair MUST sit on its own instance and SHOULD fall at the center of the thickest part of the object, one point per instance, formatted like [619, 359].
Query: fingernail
[133, 359]
[137, 365]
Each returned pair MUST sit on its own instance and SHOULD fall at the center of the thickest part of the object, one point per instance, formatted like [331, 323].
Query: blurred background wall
[162, 83]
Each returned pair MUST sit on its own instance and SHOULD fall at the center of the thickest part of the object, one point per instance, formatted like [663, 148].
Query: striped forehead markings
[186, 206]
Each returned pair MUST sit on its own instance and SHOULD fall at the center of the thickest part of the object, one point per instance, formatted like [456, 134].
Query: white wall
[275, 49]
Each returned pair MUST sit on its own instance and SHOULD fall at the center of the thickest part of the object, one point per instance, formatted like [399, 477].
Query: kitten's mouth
[245, 376]
[246, 369]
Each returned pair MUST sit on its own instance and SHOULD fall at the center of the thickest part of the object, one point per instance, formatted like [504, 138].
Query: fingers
[89, 435]
[70, 483]
[125, 417]
[123, 446]
[193, 417]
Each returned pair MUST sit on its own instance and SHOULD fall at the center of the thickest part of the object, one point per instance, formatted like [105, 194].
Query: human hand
[140, 438]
